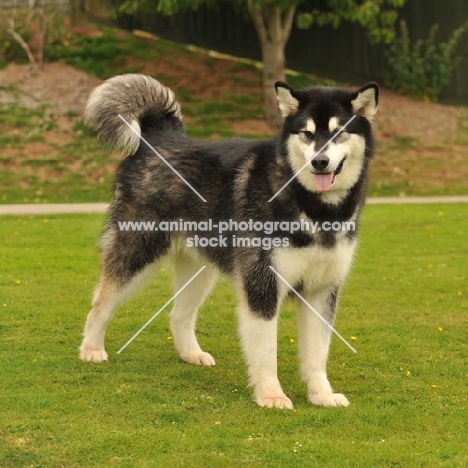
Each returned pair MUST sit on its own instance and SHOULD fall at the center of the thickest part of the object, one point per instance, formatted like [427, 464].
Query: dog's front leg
[259, 342]
[314, 342]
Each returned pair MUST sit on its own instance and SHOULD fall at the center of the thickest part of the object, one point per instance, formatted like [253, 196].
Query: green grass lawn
[405, 303]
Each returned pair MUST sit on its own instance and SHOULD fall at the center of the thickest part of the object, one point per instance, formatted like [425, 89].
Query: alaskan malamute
[235, 207]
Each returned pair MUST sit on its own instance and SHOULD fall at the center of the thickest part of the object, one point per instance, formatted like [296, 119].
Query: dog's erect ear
[366, 100]
[288, 104]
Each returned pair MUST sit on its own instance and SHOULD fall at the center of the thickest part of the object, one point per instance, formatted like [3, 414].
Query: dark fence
[343, 54]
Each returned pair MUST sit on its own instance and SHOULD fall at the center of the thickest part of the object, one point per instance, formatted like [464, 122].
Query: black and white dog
[259, 192]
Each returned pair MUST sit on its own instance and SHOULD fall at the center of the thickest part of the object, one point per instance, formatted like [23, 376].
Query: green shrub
[422, 69]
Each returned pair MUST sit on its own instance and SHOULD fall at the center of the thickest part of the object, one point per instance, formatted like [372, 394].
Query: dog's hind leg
[127, 259]
[184, 314]
[109, 295]
[314, 342]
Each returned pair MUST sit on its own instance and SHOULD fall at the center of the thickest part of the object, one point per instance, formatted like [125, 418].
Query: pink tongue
[323, 182]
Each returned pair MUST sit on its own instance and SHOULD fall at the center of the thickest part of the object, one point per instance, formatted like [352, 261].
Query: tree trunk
[273, 27]
[273, 71]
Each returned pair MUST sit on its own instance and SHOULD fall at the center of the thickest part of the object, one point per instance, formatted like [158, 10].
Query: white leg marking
[314, 342]
[184, 314]
[259, 342]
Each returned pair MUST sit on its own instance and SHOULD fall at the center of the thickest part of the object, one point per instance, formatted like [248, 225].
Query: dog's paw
[282, 402]
[331, 399]
[198, 357]
[93, 355]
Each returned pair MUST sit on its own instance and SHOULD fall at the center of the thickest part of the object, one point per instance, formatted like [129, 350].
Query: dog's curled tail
[126, 106]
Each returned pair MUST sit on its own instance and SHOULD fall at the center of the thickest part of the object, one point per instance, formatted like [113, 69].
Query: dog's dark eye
[307, 134]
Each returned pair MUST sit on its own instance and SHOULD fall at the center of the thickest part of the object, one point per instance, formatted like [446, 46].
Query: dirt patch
[9, 158]
[63, 88]
[65, 124]
[39, 150]
[432, 124]
[252, 127]
[59, 138]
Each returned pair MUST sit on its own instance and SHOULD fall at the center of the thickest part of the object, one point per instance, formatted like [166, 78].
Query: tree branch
[287, 23]
[257, 19]
[23, 44]
[271, 23]
[43, 33]
[273, 19]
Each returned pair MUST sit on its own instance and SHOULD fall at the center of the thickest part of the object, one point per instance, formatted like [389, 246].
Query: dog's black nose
[320, 162]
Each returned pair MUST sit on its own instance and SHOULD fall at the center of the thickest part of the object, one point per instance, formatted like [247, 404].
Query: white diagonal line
[161, 309]
[313, 310]
[313, 157]
[159, 155]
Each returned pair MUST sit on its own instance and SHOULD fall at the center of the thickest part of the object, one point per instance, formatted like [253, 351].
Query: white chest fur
[317, 267]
